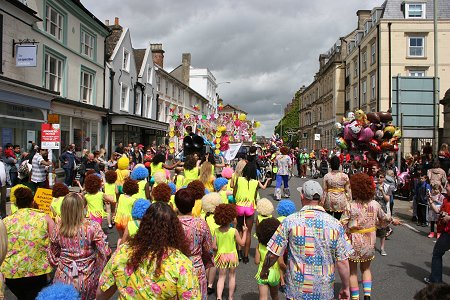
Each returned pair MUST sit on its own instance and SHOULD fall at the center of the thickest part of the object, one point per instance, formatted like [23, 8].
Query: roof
[232, 107]
[394, 9]
[139, 55]
[112, 40]
[78, 3]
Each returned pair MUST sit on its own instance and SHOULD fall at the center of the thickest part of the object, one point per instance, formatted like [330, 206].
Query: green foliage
[290, 121]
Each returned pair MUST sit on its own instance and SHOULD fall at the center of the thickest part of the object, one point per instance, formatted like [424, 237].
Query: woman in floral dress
[78, 248]
[337, 192]
[361, 218]
[198, 237]
[153, 264]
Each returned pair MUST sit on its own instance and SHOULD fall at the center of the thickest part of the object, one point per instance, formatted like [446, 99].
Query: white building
[204, 82]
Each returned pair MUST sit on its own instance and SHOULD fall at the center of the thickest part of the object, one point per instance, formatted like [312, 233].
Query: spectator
[88, 164]
[137, 157]
[329, 249]
[2, 187]
[303, 158]
[39, 169]
[68, 159]
[119, 148]
[437, 175]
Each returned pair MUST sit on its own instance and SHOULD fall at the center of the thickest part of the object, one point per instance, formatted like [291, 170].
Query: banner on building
[26, 55]
[50, 136]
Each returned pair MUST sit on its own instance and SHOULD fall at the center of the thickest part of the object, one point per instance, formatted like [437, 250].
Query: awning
[138, 122]
[14, 98]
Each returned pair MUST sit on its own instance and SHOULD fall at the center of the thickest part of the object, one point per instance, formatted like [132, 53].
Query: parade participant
[161, 193]
[303, 158]
[264, 208]
[225, 239]
[178, 179]
[284, 164]
[197, 236]
[95, 198]
[329, 249]
[209, 204]
[237, 173]
[437, 176]
[69, 162]
[360, 219]
[158, 164]
[434, 291]
[140, 174]
[28, 239]
[435, 200]
[59, 191]
[207, 176]
[382, 197]
[110, 189]
[140, 207]
[220, 186]
[191, 170]
[264, 231]
[198, 189]
[59, 291]
[156, 254]
[122, 172]
[245, 193]
[78, 247]
[125, 206]
[336, 186]
[285, 208]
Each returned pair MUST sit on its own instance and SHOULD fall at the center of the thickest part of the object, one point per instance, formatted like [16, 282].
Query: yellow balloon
[186, 116]
[218, 134]
[171, 133]
[242, 117]
[218, 145]
[257, 124]
[171, 150]
[171, 144]
[217, 151]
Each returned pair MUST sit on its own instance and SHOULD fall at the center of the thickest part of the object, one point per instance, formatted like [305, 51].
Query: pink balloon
[365, 135]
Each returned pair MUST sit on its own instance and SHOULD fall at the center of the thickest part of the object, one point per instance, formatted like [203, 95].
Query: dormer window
[415, 10]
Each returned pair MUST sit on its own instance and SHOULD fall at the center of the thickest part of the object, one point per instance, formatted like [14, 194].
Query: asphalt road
[399, 275]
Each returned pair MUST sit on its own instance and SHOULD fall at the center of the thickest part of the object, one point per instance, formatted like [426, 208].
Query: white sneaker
[383, 253]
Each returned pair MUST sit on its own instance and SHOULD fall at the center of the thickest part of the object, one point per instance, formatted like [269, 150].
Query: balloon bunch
[371, 132]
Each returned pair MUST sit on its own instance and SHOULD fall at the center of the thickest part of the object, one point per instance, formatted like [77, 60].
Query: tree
[290, 121]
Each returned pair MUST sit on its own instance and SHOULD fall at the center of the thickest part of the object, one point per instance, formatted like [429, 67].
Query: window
[158, 83]
[355, 64]
[87, 44]
[173, 91]
[373, 51]
[137, 109]
[364, 92]
[364, 61]
[149, 74]
[149, 102]
[179, 94]
[53, 72]
[167, 88]
[372, 87]
[54, 23]
[416, 46]
[417, 73]
[124, 97]
[355, 94]
[126, 60]
[415, 10]
[87, 85]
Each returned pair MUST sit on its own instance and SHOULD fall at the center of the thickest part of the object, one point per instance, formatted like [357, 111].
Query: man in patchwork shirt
[315, 243]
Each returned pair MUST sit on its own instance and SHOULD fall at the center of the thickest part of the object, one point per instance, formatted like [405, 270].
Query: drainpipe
[359, 77]
[378, 67]
[142, 99]
[110, 108]
[390, 63]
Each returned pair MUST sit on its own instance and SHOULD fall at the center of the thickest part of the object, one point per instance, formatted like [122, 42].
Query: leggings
[285, 179]
[26, 288]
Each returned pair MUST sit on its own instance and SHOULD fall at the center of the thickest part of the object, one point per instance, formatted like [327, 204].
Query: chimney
[363, 15]
[107, 22]
[157, 54]
[116, 21]
[186, 68]
[322, 58]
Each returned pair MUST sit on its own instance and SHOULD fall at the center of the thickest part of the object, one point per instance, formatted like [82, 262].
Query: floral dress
[177, 279]
[336, 198]
[199, 239]
[79, 260]
[360, 221]
[28, 241]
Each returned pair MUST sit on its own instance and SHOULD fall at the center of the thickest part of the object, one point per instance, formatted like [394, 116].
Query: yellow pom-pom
[171, 144]
[257, 124]
[171, 133]
[242, 117]
[217, 151]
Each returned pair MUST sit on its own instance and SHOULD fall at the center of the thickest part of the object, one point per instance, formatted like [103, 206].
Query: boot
[277, 194]
[286, 192]
[366, 297]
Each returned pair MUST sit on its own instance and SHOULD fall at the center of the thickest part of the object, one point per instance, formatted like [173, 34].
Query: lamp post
[281, 120]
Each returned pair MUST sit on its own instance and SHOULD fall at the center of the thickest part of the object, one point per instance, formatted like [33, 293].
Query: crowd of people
[181, 223]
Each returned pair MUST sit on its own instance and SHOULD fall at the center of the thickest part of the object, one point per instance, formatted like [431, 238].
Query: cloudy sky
[266, 49]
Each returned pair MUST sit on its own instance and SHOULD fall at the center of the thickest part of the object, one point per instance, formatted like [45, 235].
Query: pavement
[399, 275]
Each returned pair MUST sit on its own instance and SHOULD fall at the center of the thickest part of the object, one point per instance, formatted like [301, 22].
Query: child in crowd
[140, 207]
[285, 208]
[140, 174]
[59, 291]
[423, 192]
[110, 189]
[178, 179]
[209, 204]
[225, 239]
[159, 177]
[264, 232]
[95, 198]
[162, 193]
[199, 189]
[265, 209]
[122, 172]
[173, 190]
[383, 199]
[220, 186]
[125, 206]
[59, 191]
[437, 199]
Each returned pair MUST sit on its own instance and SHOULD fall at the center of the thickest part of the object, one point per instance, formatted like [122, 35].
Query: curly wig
[210, 202]
[139, 173]
[227, 172]
[363, 187]
[284, 150]
[160, 177]
[92, 184]
[123, 163]
[58, 291]
[161, 192]
[224, 214]
[286, 207]
[198, 189]
[130, 187]
[158, 158]
[266, 229]
[190, 162]
[59, 190]
[173, 188]
[140, 206]
[160, 229]
[264, 207]
[24, 197]
[12, 192]
[110, 176]
[219, 183]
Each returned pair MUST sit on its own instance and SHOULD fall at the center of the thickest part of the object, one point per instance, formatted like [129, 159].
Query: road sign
[50, 136]
[317, 136]
[53, 118]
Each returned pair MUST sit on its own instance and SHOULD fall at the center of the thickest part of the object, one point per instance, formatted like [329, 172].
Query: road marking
[410, 227]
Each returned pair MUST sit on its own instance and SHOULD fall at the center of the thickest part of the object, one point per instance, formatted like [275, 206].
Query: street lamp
[281, 120]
